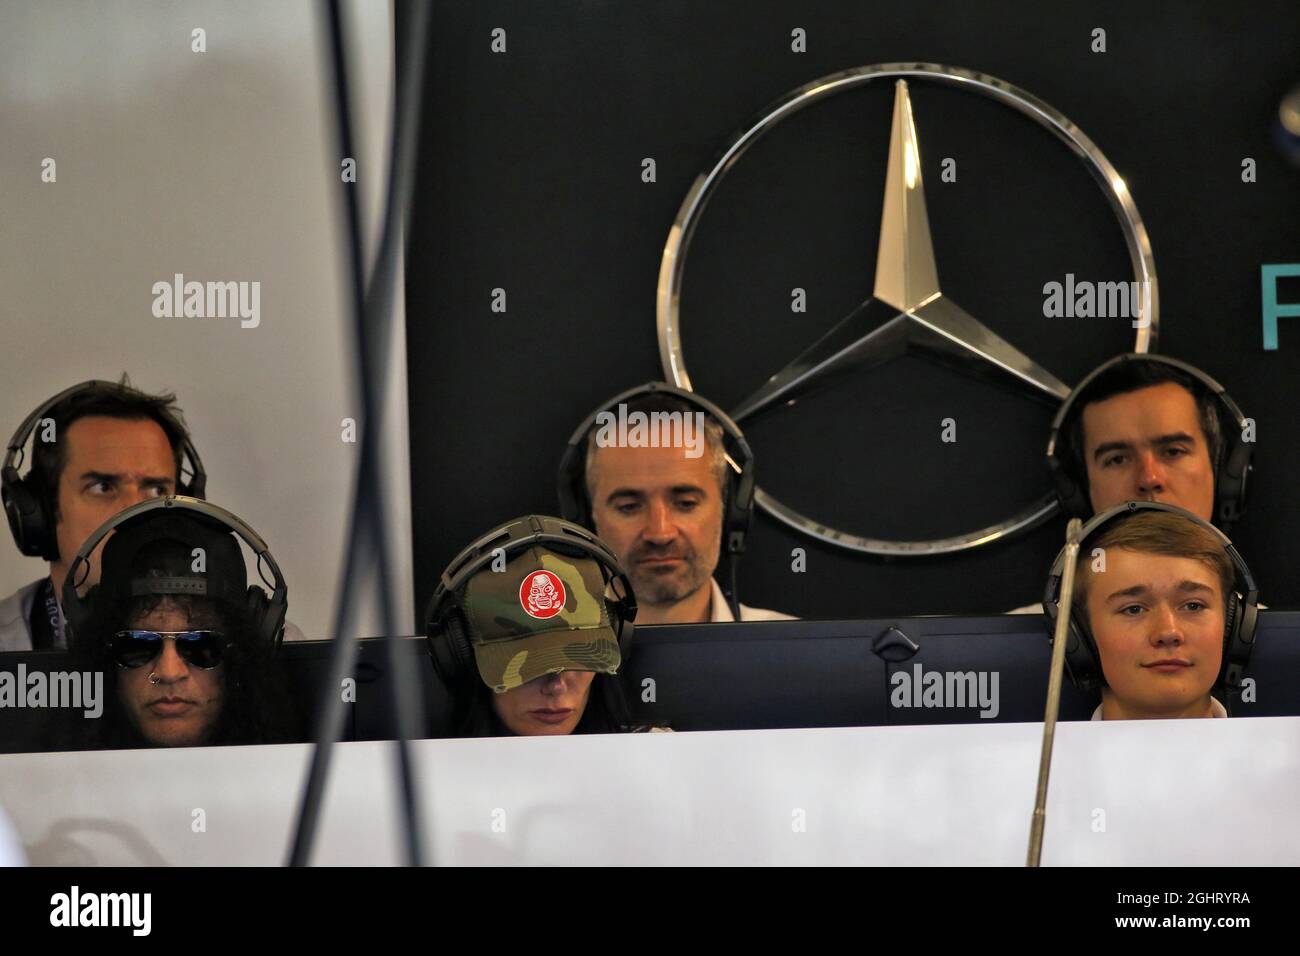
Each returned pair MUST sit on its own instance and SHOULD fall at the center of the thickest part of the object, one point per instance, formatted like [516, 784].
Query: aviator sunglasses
[135, 648]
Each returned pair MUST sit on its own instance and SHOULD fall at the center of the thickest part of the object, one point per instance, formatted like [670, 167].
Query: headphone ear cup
[1071, 489]
[739, 508]
[450, 649]
[621, 608]
[461, 649]
[571, 486]
[737, 520]
[77, 615]
[1231, 472]
[30, 520]
[260, 618]
[1081, 658]
[255, 612]
[196, 487]
[625, 629]
[1231, 619]
[1074, 501]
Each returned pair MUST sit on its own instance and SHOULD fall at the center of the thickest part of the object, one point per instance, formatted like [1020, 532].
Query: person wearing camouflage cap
[528, 628]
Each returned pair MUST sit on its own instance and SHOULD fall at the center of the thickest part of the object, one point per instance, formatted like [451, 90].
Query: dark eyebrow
[1174, 438]
[99, 476]
[1105, 448]
[106, 476]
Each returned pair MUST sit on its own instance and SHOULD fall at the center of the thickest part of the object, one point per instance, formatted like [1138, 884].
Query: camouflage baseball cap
[544, 613]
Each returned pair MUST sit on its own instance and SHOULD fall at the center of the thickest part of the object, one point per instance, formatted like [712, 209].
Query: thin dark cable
[403, 691]
[372, 314]
[343, 653]
[732, 596]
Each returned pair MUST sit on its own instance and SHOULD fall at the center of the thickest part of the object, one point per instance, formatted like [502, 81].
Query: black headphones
[1231, 468]
[445, 623]
[265, 612]
[738, 492]
[1240, 614]
[27, 503]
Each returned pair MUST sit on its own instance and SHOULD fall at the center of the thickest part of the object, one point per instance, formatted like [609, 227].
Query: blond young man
[1156, 608]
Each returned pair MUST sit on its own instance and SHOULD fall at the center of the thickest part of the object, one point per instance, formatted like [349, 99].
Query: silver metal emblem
[908, 309]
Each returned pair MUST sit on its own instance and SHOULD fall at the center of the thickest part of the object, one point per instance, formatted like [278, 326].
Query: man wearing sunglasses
[169, 680]
[174, 624]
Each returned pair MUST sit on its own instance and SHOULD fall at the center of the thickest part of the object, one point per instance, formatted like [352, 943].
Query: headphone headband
[1231, 469]
[564, 535]
[75, 606]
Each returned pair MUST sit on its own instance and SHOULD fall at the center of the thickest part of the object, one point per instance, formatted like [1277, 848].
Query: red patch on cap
[541, 594]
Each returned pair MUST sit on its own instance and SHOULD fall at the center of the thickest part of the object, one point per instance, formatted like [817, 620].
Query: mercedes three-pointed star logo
[907, 309]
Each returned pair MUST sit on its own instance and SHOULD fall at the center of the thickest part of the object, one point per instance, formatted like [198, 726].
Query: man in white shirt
[720, 611]
[661, 507]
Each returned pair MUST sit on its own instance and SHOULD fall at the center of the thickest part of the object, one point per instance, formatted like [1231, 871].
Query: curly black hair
[255, 706]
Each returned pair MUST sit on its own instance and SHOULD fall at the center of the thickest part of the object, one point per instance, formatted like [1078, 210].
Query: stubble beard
[668, 587]
[664, 586]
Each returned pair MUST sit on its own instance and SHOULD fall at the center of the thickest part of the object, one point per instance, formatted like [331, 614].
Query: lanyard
[47, 619]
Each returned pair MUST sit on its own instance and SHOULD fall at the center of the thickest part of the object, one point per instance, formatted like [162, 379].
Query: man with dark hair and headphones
[1164, 612]
[1148, 427]
[1144, 427]
[187, 644]
[527, 629]
[97, 448]
[673, 504]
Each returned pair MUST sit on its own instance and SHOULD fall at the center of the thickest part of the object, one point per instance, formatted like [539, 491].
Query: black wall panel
[530, 181]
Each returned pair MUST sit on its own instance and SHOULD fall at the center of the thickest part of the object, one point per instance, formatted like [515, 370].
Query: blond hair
[1158, 532]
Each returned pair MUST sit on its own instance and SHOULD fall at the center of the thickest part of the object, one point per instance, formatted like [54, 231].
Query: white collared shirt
[1216, 710]
[720, 611]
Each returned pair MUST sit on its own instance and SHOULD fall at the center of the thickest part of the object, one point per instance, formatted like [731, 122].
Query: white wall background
[221, 166]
